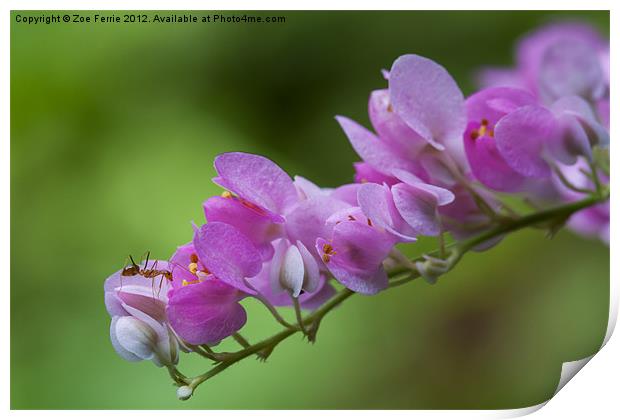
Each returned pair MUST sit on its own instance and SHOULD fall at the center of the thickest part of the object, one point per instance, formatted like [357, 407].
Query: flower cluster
[431, 165]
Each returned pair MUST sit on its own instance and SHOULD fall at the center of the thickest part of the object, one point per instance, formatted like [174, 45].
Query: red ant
[146, 272]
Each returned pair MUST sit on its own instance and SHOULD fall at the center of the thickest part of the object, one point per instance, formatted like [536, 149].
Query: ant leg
[161, 282]
[124, 265]
[154, 272]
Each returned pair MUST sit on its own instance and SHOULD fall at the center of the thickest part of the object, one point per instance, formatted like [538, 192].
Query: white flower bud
[432, 268]
[184, 392]
[136, 339]
[292, 271]
[136, 336]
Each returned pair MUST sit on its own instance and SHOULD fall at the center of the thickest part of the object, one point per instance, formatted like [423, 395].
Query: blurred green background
[113, 133]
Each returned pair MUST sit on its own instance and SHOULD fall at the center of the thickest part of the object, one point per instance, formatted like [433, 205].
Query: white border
[593, 393]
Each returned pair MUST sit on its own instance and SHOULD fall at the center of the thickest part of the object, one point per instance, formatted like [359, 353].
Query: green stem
[531, 220]
[241, 340]
[404, 280]
[273, 310]
[176, 376]
[298, 315]
[567, 183]
[240, 355]
[595, 178]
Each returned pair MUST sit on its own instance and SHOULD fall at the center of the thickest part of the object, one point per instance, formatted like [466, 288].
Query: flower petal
[571, 68]
[360, 281]
[306, 222]
[228, 254]
[355, 256]
[206, 313]
[521, 136]
[493, 103]
[291, 272]
[487, 165]
[256, 179]
[134, 336]
[118, 347]
[533, 47]
[258, 227]
[583, 112]
[428, 99]
[444, 196]
[307, 188]
[311, 269]
[149, 294]
[346, 193]
[377, 204]
[571, 141]
[390, 127]
[364, 172]
[308, 300]
[370, 148]
[418, 207]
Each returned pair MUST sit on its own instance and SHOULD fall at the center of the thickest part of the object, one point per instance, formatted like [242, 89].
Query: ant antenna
[146, 262]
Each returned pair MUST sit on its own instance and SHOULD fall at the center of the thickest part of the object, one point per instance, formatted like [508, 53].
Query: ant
[150, 273]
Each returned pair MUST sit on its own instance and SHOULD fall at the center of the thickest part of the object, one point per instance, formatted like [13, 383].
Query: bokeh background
[113, 133]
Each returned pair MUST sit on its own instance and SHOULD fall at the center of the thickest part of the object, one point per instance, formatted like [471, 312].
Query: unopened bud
[184, 392]
[432, 268]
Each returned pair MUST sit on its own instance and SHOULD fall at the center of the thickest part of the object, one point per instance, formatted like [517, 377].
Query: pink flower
[354, 251]
[202, 309]
[510, 138]
[560, 59]
[266, 208]
[422, 113]
[140, 329]
[592, 222]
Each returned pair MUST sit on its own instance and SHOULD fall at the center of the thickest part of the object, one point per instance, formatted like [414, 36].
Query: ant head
[131, 270]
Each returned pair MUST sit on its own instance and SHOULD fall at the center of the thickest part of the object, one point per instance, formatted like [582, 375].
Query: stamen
[252, 206]
[202, 275]
[369, 222]
[227, 194]
[482, 130]
[192, 267]
[389, 108]
[328, 252]
[351, 218]
[193, 258]
[186, 283]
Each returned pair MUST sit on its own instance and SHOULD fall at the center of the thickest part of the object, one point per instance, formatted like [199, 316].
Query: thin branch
[404, 280]
[569, 184]
[595, 177]
[241, 340]
[273, 310]
[298, 315]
